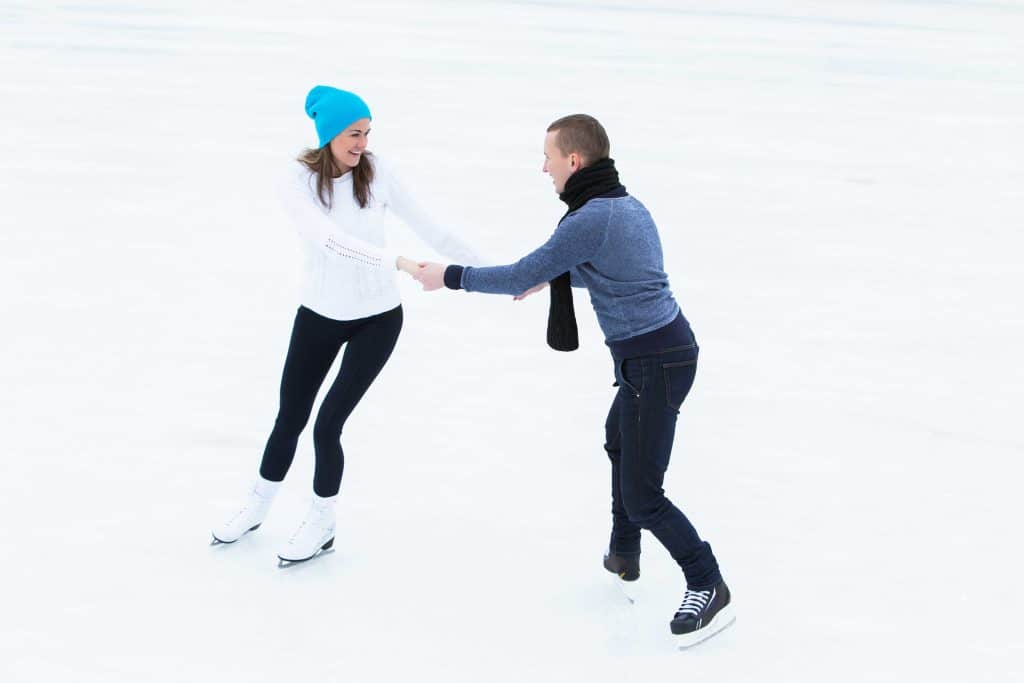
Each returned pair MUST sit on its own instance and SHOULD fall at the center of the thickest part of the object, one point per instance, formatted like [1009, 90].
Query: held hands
[430, 275]
[406, 265]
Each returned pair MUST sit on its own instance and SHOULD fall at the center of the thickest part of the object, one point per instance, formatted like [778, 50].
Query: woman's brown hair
[321, 163]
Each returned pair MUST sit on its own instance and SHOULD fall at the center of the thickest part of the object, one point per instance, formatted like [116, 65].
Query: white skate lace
[694, 602]
[311, 516]
[254, 493]
[238, 515]
[297, 532]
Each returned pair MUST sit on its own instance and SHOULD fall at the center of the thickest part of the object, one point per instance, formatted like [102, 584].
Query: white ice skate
[250, 515]
[315, 533]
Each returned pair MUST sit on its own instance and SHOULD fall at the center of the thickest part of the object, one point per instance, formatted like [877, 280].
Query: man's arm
[575, 278]
[575, 241]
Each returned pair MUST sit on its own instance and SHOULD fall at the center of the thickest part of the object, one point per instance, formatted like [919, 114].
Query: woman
[337, 196]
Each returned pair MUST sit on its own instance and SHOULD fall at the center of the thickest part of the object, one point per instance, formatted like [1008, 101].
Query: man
[608, 243]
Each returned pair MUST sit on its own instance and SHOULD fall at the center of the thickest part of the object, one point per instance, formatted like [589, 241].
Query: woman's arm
[315, 227]
[405, 206]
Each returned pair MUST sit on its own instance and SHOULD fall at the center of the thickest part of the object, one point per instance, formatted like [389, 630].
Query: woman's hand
[531, 290]
[406, 265]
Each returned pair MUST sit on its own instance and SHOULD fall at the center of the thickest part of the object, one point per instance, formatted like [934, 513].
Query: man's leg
[625, 537]
[650, 397]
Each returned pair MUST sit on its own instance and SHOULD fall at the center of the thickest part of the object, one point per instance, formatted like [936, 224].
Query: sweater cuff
[453, 277]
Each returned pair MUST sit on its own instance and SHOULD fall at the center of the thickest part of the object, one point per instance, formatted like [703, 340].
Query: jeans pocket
[678, 380]
[631, 375]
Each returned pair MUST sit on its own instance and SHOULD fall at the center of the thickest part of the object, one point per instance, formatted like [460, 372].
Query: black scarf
[600, 178]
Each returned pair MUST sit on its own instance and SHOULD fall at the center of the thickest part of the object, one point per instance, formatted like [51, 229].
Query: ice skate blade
[627, 588]
[285, 564]
[325, 549]
[723, 620]
[217, 541]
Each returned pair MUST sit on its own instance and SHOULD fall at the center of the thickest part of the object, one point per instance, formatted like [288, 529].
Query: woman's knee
[327, 430]
[291, 422]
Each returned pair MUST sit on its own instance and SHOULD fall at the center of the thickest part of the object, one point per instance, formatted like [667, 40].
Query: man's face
[557, 165]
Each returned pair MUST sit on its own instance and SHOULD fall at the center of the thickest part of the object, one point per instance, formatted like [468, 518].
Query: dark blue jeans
[640, 430]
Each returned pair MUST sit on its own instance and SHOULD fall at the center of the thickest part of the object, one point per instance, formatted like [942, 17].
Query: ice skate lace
[254, 496]
[694, 602]
[298, 531]
[240, 514]
[312, 517]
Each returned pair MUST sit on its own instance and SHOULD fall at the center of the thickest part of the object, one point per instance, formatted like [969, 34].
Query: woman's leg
[366, 353]
[314, 345]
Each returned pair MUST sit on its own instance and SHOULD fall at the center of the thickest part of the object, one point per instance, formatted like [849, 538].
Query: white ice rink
[840, 195]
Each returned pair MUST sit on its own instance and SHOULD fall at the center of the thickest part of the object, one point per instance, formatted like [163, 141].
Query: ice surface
[839, 192]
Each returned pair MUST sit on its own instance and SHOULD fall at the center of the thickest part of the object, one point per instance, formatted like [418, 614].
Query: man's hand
[430, 275]
[531, 290]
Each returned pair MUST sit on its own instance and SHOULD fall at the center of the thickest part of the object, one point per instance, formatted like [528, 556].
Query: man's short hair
[582, 134]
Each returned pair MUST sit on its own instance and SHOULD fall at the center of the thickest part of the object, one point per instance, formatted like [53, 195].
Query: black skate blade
[285, 564]
[327, 547]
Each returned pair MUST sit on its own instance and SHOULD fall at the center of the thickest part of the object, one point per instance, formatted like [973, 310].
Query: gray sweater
[611, 247]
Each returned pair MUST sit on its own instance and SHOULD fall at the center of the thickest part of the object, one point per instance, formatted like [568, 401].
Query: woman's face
[348, 146]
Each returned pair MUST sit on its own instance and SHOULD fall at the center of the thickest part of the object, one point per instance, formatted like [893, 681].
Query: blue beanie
[334, 110]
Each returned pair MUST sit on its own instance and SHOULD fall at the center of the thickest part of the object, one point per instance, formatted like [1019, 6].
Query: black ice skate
[628, 568]
[702, 614]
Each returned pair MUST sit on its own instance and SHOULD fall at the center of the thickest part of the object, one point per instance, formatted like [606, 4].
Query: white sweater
[350, 272]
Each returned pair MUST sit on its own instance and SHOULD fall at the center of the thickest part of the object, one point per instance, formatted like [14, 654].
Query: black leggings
[315, 343]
